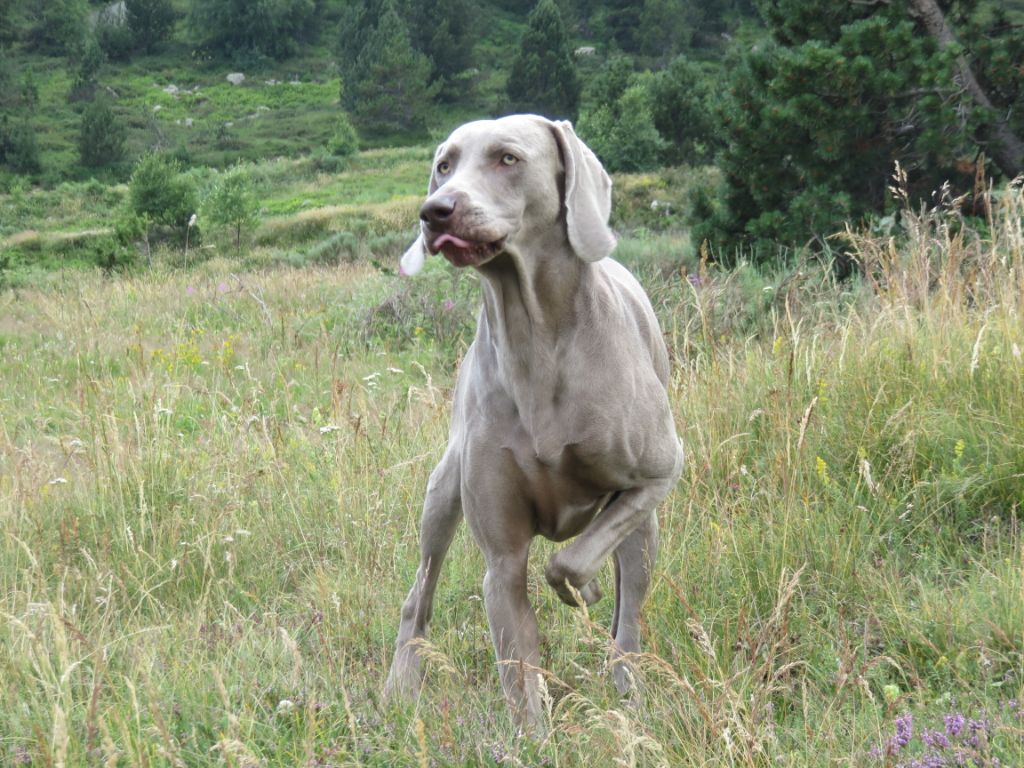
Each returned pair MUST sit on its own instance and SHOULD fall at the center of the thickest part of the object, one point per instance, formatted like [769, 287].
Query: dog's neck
[530, 302]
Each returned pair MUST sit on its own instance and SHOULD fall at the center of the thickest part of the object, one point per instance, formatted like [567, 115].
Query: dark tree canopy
[543, 77]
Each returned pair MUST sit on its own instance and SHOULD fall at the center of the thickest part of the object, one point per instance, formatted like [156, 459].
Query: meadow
[211, 475]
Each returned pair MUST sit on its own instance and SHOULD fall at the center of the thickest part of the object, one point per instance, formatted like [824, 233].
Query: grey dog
[561, 423]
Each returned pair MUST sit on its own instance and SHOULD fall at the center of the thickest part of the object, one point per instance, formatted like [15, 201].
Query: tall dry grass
[210, 485]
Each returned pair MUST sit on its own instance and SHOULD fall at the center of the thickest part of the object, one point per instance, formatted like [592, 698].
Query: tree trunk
[1006, 147]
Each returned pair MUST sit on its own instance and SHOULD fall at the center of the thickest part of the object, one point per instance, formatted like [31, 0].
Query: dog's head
[507, 184]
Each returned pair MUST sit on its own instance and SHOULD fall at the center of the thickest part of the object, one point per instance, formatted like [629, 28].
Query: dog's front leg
[514, 632]
[575, 566]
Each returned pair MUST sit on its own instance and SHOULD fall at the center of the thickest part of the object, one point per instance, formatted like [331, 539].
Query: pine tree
[543, 77]
[815, 119]
[390, 80]
[445, 31]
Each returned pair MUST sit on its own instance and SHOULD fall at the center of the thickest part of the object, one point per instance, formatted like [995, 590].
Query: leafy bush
[159, 192]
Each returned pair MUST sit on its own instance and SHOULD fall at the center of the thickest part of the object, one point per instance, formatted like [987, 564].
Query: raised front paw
[564, 580]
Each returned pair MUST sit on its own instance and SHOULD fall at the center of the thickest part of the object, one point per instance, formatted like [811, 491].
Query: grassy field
[210, 480]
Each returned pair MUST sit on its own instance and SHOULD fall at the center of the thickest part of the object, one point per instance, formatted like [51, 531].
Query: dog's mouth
[465, 253]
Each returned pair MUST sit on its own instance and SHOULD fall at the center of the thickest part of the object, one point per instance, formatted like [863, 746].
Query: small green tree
[150, 21]
[232, 203]
[622, 134]
[543, 77]
[101, 135]
[391, 89]
[159, 192]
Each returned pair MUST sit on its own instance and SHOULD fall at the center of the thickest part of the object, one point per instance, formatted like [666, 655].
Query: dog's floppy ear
[412, 260]
[588, 196]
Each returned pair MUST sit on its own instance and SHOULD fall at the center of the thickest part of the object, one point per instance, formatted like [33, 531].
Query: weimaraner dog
[561, 423]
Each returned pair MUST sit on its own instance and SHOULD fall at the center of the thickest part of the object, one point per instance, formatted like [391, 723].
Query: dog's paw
[562, 579]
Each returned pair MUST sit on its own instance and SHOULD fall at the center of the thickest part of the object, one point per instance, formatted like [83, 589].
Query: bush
[149, 21]
[159, 192]
[345, 140]
[101, 136]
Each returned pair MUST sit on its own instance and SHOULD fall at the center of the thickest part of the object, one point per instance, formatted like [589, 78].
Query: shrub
[149, 21]
[345, 140]
[101, 135]
[161, 193]
[113, 35]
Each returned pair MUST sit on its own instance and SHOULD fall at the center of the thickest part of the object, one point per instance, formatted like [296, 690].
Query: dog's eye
[443, 167]
[509, 159]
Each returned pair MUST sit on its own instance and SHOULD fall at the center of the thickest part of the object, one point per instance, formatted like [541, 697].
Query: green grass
[210, 480]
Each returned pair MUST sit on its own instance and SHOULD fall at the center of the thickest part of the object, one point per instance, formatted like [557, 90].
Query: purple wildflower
[934, 739]
[190, 291]
[694, 279]
[904, 733]
[449, 305]
[222, 287]
[954, 723]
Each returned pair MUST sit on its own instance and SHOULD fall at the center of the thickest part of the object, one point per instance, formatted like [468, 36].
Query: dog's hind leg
[442, 511]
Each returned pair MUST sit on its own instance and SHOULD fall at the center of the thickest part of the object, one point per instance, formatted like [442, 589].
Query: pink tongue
[458, 242]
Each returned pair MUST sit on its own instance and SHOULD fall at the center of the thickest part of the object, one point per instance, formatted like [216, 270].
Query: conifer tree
[543, 77]
[390, 88]
[815, 119]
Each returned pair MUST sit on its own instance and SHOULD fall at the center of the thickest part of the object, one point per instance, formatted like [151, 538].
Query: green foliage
[232, 202]
[239, 28]
[685, 104]
[102, 135]
[19, 149]
[445, 32]
[86, 69]
[814, 122]
[150, 21]
[543, 78]
[161, 193]
[56, 26]
[390, 89]
[622, 133]
[345, 140]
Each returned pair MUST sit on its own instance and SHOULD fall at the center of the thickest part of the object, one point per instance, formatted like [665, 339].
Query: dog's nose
[437, 211]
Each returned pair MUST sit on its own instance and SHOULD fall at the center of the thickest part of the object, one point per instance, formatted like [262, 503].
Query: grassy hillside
[210, 482]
